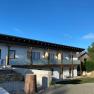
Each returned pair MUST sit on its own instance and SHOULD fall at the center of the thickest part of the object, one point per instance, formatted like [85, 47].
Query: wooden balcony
[42, 64]
[45, 64]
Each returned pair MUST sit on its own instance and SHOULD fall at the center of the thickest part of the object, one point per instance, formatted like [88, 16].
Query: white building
[42, 58]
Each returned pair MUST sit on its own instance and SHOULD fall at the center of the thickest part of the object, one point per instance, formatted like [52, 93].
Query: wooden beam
[8, 55]
[72, 67]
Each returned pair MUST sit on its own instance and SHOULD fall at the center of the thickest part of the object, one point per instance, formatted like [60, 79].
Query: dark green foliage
[52, 83]
[89, 66]
[90, 63]
[91, 52]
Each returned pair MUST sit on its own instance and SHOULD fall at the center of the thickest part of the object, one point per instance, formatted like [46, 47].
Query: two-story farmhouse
[60, 60]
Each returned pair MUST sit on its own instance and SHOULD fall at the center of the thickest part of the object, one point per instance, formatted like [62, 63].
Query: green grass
[89, 66]
[86, 80]
[77, 81]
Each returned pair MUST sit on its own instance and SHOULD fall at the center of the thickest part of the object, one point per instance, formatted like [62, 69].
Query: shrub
[89, 66]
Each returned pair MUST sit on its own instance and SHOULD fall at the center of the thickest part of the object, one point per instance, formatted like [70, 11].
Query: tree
[91, 52]
[90, 63]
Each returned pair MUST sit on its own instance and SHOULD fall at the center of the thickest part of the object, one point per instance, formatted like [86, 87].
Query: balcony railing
[71, 62]
[19, 62]
[41, 61]
[76, 61]
[55, 61]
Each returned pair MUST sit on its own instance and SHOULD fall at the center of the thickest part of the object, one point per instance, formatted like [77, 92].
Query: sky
[67, 22]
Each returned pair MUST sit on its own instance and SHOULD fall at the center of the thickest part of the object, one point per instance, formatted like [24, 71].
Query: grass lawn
[86, 80]
[77, 81]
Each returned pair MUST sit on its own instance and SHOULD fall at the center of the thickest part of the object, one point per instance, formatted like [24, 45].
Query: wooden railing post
[29, 55]
[8, 57]
[30, 84]
[48, 56]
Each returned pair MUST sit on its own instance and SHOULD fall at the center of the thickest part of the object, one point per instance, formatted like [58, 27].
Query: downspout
[7, 63]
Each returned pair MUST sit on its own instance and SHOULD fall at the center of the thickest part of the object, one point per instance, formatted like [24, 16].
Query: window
[12, 54]
[62, 56]
[52, 56]
[36, 55]
[0, 53]
[70, 56]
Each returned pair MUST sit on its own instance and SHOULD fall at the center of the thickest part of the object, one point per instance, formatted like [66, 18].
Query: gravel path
[87, 88]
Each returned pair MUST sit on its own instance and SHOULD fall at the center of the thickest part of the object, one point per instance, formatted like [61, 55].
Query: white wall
[4, 51]
[43, 76]
[75, 58]
[65, 72]
[56, 73]
[75, 71]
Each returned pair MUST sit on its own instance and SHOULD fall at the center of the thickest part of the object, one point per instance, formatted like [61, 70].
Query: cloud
[88, 36]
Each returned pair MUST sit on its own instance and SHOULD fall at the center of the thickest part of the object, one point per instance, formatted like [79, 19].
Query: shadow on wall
[54, 79]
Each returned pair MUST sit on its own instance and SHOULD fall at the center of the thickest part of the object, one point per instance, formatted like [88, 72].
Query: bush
[52, 83]
[89, 66]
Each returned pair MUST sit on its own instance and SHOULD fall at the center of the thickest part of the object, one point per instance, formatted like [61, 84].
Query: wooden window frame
[0, 53]
[14, 54]
[52, 56]
[36, 55]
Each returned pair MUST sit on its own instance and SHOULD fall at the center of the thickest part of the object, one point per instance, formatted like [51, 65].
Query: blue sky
[68, 22]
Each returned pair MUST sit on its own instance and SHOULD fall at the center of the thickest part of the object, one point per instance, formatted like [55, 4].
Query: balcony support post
[7, 61]
[72, 67]
[48, 56]
[61, 57]
[61, 72]
[29, 55]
